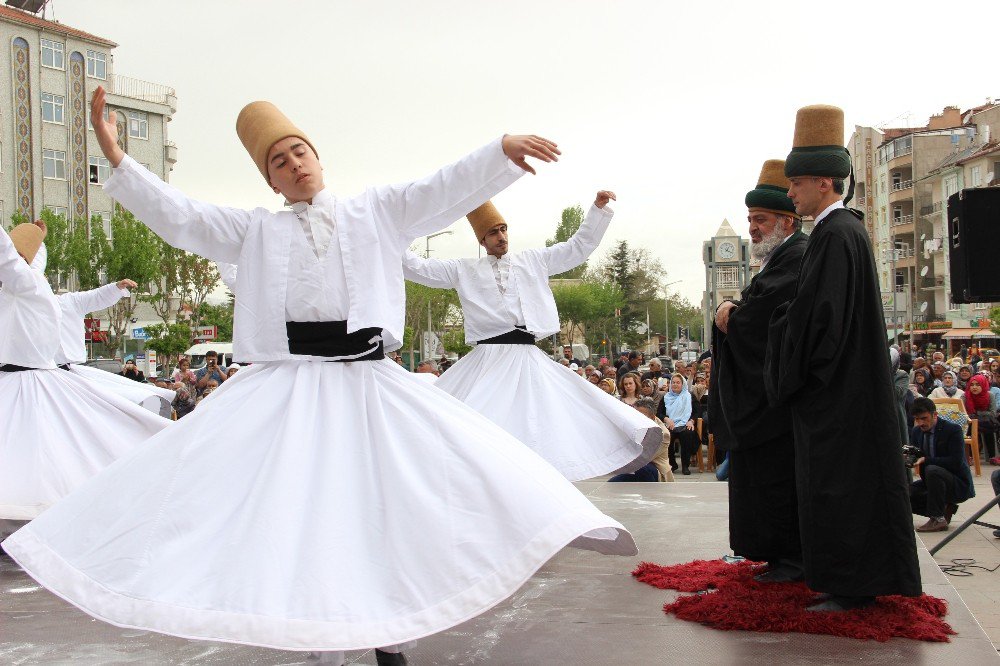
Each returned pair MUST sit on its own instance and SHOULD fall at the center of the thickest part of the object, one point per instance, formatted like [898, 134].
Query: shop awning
[969, 334]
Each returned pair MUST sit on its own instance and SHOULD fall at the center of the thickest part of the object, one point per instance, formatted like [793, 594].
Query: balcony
[933, 209]
[902, 226]
[170, 153]
[901, 158]
[126, 86]
[901, 191]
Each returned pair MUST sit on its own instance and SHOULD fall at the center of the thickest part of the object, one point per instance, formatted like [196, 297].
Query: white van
[197, 353]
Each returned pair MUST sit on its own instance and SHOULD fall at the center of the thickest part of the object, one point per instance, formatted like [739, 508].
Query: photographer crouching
[937, 453]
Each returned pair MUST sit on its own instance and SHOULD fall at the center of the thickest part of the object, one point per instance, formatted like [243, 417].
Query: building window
[52, 108]
[54, 164]
[950, 186]
[976, 176]
[52, 54]
[728, 277]
[99, 169]
[59, 210]
[97, 64]
[138, 125]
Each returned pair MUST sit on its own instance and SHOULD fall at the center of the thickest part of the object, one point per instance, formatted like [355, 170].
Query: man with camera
[212, 370]
[937, 452]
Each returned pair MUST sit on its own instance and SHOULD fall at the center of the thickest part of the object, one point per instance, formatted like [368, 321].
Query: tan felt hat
[819, 125]
[260, 125]
[484, 218]
[27, 240]
[773, 173]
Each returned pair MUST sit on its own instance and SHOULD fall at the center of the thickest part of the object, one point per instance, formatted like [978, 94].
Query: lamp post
[427, 254]
[666, 312]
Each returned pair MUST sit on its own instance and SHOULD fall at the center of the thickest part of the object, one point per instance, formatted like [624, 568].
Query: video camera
[911, 454]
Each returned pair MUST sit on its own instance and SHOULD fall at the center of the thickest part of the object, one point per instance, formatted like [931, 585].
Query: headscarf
[950, 391]
[894, 359]
[963, 384]
[677, 405]
[978, 403]
[607, 381]
[928, 384]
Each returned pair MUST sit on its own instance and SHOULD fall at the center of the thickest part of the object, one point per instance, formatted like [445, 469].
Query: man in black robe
[828, 361]
[763, 520]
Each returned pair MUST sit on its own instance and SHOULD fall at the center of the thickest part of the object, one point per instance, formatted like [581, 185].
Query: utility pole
[666, 314]
[428, 352]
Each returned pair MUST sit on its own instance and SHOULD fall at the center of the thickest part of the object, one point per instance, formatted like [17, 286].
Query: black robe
[828, 361]
[763, 520]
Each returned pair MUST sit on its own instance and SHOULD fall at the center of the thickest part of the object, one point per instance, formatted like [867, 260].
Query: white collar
[839, 203]
[494, 260]
[320, 199]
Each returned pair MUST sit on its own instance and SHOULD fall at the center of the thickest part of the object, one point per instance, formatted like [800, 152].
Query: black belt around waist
[10, 367]
[331, 339]
[518, 336]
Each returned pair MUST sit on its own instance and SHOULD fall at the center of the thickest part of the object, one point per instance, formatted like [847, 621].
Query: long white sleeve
[227, 273]
[561, 257]
[432, 203]
[439, 273]
[212, 231]
[80, 303]
[15, 274]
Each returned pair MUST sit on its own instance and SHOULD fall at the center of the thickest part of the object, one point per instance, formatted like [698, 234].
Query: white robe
[72, 351]
[313, 505]
[582, 431]
[56, 432]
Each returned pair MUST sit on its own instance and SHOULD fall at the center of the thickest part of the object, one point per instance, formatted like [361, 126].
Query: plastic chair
[955, 406]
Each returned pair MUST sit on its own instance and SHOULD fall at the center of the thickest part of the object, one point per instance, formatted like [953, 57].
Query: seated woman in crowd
[185, 375]
[981, 406]
[650, 389]
[595, 377]
[675, 412]
[628, 388]
[658, 469]
[964, 374]
[607, 385]
[922, 383]
[949, 388]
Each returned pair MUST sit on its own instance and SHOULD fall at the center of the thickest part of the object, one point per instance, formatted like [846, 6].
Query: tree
[572, 218]
[995, 320]
[134, 254]
[454, 341]
[198, 277]
[164, 291]
[639, 276]
[441, 303]
[587, 308]
[220, 316]
[169, 341]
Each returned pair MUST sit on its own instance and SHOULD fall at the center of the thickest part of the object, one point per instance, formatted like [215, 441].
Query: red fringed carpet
[729, 599]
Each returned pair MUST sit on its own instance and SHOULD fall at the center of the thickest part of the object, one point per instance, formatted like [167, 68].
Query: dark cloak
[763, 520]
[828, 361]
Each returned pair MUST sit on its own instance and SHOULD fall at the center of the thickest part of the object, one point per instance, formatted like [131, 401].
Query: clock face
[727, 250]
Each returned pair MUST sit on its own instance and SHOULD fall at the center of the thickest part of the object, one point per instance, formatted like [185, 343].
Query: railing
[169, 144]
[930, 210]
[126, 86]
[902, 185]
[934, 245]
[901, 220]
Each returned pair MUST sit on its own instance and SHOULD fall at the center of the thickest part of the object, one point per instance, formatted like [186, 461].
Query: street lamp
[666, 311]
[427, 255]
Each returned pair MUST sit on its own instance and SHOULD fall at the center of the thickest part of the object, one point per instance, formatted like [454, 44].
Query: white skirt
[313, 506]
[56, 433]
[581, 430]
[148, 396]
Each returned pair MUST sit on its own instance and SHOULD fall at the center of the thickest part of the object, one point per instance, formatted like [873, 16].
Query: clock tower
[727, 271]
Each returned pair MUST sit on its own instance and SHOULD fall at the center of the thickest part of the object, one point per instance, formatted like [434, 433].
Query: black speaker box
[973, 237]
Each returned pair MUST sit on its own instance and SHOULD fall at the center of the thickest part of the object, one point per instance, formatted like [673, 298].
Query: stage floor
[581, 608]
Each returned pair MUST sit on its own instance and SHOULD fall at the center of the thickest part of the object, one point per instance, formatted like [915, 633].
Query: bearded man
[763, 520]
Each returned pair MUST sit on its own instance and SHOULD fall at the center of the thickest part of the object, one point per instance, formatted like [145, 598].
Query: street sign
[206, 332]
[139, 334]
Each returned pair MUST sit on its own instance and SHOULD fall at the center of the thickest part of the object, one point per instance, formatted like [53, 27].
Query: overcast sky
[672, 105]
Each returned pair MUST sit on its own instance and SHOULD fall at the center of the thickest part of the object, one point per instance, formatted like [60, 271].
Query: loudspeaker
[973, 223]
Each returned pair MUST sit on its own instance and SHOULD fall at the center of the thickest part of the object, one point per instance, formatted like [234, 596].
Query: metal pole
[666, 314]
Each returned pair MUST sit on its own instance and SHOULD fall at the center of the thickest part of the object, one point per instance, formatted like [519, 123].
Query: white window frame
[105, 216]
[56, 106]
[57, 51]
[975, 176]
[99, 167]
[59, 210]
[58, 160]
[93, 59]
[106, 114]
[139, 120]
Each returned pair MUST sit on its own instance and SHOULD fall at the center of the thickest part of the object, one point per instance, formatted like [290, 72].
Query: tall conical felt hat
[818, 145]
[771, 193]
[27, 238]
[484, 218]
[260, 125]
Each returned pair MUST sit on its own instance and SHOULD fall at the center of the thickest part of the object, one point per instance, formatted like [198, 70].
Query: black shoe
[949, 511]
[837, 604]
[781, 573]
[673, 465]
[390, 658]
[686, 471]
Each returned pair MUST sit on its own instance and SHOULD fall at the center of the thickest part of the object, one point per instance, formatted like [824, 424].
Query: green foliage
[220, 316]
[444, 310]
[588, 308]
[639, 277]
[572, 218]
[454, 341]
[995, 320]
[169, 341]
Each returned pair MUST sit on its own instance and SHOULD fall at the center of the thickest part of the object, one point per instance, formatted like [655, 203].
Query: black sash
[10, 367]
[518, 336]
[331, 339]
